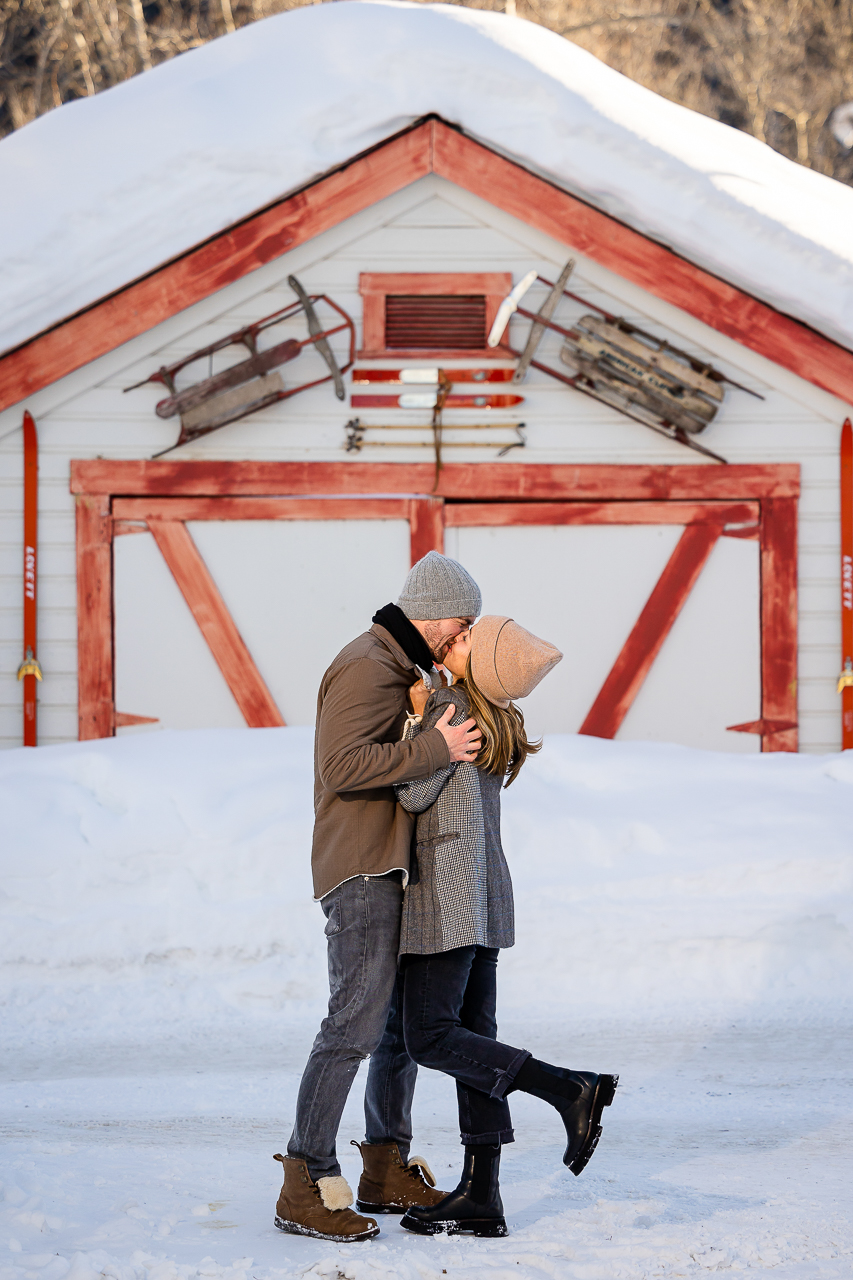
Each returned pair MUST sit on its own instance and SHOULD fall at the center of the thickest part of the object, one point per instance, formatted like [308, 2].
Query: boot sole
[365, 1206]
[456, 1227]
[297, 1229]
[603, 1096]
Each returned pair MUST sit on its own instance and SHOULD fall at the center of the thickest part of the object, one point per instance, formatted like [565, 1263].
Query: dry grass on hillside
[774, 68]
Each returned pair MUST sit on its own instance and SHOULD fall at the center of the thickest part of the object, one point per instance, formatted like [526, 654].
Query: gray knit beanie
[439, 588]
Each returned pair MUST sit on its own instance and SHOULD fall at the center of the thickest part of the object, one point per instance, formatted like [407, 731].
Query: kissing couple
[410, 874]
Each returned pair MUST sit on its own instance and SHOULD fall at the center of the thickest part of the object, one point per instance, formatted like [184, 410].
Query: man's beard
[438, 642]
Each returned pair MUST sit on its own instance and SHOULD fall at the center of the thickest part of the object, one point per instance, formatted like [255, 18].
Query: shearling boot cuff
[335, 1192]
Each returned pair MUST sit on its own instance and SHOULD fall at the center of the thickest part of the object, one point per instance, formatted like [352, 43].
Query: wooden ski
[29, 671]
[431, 375]
[845, 680]
[430, 400]
[537, 329]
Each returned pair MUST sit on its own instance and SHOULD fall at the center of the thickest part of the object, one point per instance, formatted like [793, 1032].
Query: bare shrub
[53, 51]
[774, 68]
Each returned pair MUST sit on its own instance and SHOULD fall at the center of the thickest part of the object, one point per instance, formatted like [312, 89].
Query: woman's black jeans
[449, 1003]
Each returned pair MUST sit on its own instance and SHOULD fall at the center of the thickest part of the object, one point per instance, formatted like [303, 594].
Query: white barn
[412, 164]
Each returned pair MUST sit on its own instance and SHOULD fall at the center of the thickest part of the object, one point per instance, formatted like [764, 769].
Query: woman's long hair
[505, 745]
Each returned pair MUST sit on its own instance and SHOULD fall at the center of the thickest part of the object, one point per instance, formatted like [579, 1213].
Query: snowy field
[685, 920]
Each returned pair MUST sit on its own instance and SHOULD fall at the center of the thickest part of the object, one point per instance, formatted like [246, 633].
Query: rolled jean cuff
[328, 1168]
[501, 1138]
[506, 1078]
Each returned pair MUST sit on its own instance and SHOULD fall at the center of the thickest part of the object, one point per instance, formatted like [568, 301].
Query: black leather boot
[474, 1206]
[579, 1096]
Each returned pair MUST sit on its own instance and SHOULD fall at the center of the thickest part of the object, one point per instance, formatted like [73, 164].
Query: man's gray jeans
[364, 1019]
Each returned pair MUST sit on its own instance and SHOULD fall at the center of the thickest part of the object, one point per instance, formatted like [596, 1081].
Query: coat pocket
[422, 850]
[434, 840]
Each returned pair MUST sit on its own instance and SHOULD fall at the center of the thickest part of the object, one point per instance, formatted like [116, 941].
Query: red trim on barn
[779, 620]
[278, 508]
[426, 524]
[644, 262]
[95, 681]
[216, 624]
[222, 260]
[705, 499]
[431, 147]
[744, 515]
[523, 482]
[654, 624]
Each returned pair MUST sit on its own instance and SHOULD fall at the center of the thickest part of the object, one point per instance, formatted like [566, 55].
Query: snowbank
[168, 872]
[105, 189]
[684, 919]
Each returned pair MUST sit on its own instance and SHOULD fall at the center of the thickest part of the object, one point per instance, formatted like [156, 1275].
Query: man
[360, 861]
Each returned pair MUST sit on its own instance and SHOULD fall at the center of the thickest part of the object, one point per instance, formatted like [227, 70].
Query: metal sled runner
[249, 385]
[642, 376]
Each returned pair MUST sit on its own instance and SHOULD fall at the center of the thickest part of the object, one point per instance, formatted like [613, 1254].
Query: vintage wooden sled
[642, 376]
[249, 385]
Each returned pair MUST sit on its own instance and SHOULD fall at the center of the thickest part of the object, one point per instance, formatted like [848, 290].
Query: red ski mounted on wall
[249, 385]
[845, 680]
[438, 398]
[29, 671]
[432, 376]
[433, 400]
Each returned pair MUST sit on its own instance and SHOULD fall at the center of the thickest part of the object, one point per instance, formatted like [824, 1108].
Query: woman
[458, 914]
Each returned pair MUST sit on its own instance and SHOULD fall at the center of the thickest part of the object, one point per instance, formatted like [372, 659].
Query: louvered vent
[430, 320]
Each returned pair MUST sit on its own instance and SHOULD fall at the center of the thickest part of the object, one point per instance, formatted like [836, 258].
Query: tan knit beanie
[508, 662]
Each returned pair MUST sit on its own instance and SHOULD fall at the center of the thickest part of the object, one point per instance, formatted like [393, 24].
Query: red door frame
[760, 501]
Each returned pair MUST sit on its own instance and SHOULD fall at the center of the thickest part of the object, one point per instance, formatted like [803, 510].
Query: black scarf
[410, 640]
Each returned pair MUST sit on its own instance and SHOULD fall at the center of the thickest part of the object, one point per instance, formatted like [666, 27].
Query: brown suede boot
[389, 1186]
[321, 1208]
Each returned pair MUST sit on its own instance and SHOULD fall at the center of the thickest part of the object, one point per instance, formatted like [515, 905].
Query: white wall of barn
[298, 591]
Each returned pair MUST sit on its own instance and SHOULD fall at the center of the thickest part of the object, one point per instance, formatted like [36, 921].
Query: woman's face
[456, 658]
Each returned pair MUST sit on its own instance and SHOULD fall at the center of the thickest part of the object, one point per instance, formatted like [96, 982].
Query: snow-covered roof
[105, 189]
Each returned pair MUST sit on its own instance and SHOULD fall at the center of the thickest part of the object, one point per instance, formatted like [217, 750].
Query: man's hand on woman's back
[463, 740]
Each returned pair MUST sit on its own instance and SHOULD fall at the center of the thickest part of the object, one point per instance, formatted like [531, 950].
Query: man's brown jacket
[359, 829]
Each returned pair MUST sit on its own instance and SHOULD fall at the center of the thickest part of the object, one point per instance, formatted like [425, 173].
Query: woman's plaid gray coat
[460, 890]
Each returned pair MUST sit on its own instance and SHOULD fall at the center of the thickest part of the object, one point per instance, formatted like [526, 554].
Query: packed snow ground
[685, 919]
[104, 189]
